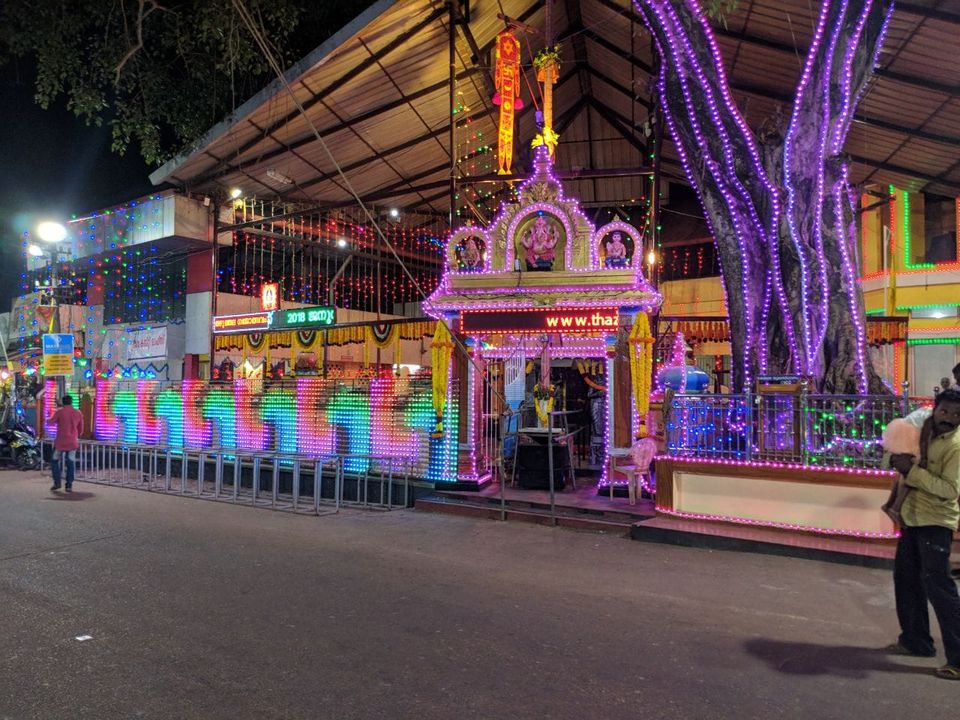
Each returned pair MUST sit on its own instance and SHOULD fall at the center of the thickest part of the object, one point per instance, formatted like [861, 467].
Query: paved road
[204, 610]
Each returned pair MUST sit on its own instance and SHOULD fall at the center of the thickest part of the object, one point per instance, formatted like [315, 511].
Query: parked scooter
[18, 442]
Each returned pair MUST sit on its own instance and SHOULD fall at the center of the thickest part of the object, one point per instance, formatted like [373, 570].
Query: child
[908, 436]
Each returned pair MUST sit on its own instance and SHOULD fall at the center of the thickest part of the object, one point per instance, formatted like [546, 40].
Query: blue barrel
[672, 377]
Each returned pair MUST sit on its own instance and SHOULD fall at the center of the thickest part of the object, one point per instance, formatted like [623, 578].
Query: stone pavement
[202, 610]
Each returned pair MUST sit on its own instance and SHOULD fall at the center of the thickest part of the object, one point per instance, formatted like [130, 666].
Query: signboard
[270, 296]
[58, 354]
[245, 322]
[306, 317]
[540, 322]
[147, 344]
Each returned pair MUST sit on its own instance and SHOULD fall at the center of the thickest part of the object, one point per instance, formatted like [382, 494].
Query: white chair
[641, 455]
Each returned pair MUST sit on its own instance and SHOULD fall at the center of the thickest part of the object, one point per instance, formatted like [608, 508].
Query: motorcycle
[18, 444]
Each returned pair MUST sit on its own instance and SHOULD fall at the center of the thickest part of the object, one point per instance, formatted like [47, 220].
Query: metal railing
[821, 430]
[282, 481]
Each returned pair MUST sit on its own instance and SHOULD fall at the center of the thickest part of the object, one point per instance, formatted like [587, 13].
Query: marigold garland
[641, 368]
[539, 395]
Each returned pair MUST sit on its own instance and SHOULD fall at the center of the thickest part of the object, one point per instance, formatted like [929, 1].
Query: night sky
[51, 166]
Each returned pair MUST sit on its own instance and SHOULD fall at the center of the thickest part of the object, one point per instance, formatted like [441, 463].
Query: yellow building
[910, 248]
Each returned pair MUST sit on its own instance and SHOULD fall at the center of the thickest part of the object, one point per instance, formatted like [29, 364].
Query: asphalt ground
[198, 609]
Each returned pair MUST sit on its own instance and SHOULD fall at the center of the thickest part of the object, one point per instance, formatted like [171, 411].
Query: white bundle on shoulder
[902, 436]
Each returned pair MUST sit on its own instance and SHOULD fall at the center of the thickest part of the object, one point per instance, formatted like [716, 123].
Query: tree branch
[146, 7]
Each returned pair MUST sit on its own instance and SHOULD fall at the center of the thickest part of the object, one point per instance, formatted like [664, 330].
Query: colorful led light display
[245, 322]
[391, 418]
[587, 320]
[305, 317]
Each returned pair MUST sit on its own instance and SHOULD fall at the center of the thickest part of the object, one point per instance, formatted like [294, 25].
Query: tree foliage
[160, 74]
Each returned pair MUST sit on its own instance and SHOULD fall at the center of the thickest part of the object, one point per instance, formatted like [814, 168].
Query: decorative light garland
[933, 341]
[391, 418]
[871, 472]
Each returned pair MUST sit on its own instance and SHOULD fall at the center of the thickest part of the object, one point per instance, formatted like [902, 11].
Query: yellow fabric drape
[441, 349]
[335, 336]
[392, 330]
[641, 368]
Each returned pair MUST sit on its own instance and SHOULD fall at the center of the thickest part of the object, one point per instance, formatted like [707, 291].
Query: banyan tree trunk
[780, 211]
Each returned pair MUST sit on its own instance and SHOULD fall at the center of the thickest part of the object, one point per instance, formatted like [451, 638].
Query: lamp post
[235, 198]
[52, 234]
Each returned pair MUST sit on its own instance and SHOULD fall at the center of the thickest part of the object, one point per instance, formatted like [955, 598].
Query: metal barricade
[283, 481]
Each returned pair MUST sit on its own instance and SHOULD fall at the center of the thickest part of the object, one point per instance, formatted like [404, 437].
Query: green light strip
[931, 305]
[906, 236]
[878, 311]
[934, 341]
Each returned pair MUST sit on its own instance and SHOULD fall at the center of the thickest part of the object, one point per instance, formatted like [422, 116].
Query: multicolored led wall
[387, 417]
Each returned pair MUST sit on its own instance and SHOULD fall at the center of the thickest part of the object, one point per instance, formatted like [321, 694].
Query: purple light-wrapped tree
[781, 208]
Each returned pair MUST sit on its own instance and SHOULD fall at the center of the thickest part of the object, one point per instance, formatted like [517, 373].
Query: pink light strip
[779, 466]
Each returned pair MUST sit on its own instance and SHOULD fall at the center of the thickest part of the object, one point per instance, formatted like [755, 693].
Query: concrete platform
[585, 510]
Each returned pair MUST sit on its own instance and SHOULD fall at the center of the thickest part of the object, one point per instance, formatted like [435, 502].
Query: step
[563, 504]
[862, 552]
[540, 516]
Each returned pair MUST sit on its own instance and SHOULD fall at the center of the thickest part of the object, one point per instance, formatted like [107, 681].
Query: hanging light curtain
[440, 351]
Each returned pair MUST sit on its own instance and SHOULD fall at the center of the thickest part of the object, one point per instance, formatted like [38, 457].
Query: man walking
[930, 516]
[69, 422]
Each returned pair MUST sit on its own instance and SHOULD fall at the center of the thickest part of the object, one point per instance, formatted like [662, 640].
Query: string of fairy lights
[307, 257]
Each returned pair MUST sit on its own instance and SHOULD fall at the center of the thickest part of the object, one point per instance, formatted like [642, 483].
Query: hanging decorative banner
[507, 80]
[440, 351]
[147, 344]
[547, 63]
[270, 296]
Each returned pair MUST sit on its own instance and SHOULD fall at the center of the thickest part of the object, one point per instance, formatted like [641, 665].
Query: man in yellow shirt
[930, 516]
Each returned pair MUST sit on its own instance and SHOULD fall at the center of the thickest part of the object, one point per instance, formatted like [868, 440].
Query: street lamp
[52, 232]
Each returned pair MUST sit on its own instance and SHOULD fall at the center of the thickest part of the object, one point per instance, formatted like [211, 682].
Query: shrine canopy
[542, 267]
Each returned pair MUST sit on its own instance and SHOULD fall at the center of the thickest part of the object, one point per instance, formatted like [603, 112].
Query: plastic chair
[641, 455]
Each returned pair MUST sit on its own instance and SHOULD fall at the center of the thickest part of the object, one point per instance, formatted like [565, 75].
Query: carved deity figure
[616, 251]
[540, 242]
[472, 256]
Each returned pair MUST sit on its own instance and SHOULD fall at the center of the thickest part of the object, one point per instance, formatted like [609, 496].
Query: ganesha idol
[540, 242]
